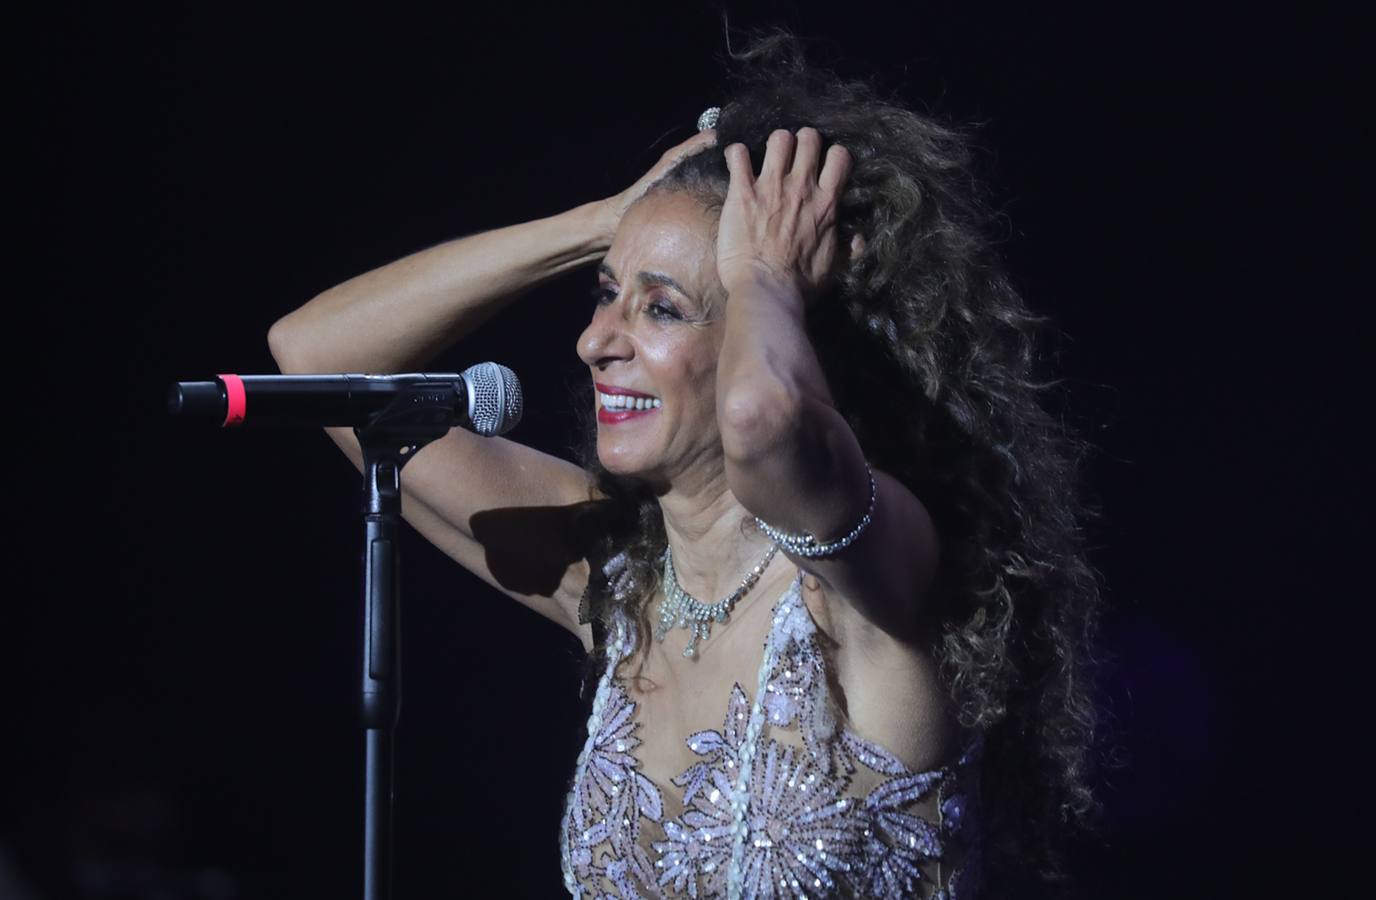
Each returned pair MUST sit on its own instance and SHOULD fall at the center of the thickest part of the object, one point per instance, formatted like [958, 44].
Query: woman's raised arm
[791, 457]
[400, 316]
[510, 514]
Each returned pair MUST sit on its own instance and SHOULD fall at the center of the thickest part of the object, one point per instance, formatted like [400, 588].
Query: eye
[657, 308]
[662, 309]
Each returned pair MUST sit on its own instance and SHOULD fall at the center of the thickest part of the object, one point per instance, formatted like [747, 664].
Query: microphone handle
[321, 400]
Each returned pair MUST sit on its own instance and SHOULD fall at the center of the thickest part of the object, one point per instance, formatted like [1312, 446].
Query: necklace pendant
[700, 631]
[687, 612]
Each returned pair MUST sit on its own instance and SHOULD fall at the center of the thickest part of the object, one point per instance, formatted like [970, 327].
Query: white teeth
[622, 401]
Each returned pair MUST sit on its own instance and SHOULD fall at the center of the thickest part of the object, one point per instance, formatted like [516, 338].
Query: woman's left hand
[780, 226]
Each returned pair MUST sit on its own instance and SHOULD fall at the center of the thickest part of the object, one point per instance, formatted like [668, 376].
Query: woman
[824, 552]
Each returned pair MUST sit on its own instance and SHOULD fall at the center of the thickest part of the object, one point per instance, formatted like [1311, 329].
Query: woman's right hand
[613, 208]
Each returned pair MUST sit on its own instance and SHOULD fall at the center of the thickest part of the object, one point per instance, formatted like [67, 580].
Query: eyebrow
[647, 279]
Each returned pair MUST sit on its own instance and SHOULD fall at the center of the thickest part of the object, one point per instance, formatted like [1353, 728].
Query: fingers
[778, 155]
[679, 152]
[738, 164]
[695, 144]
[808, 148]
[835, 170]
[667, 160]
[796, 157]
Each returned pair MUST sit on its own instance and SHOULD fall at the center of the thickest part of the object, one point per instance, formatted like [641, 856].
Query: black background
[1181, 187]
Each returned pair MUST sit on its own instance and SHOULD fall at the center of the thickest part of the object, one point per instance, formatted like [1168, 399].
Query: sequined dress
[826, 813]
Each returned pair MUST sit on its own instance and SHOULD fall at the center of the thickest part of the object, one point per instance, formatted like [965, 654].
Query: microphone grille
[494, 398]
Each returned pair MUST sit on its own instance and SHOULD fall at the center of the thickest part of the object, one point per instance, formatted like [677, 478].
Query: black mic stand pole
[419, 414]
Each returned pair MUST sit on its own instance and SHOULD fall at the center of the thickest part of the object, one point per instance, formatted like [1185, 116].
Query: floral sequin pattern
[799, 830]
[811, 830]
[605, 814]
[807, 836]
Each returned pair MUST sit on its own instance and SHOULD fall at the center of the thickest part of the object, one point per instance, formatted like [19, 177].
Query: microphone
[485, 398]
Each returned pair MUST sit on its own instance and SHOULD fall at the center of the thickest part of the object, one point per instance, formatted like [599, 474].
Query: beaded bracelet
[807, 544]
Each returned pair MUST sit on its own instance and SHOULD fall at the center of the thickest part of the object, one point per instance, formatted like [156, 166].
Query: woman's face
[654, 338]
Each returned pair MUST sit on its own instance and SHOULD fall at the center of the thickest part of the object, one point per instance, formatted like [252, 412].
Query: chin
[620, 464]
[624, 463]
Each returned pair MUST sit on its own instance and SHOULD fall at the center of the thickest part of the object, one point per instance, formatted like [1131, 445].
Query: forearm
[767, 373]
[401, 315]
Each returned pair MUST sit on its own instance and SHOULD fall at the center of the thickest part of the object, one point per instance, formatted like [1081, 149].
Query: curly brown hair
[926, 321]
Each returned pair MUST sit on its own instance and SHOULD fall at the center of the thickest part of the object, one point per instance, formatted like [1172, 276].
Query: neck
[712, 543]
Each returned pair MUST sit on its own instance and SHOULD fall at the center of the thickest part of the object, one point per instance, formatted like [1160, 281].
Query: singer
[824, 550]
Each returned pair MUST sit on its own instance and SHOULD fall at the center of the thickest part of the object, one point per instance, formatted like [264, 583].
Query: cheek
[684, 363]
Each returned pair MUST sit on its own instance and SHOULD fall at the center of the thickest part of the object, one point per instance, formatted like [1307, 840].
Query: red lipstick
[612, 389]
[613, 416]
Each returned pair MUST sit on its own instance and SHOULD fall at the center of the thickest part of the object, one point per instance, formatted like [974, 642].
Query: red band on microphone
[238, 399]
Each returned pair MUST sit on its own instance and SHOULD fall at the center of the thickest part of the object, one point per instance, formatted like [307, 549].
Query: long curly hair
[925, 322]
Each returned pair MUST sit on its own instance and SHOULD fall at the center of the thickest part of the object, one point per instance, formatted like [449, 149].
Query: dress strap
[782, 627]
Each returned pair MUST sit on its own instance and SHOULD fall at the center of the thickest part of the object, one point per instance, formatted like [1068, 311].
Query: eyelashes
[656, 309]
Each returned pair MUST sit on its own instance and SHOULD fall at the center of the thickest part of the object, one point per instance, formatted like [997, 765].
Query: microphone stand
[419, 414]
[415, 410]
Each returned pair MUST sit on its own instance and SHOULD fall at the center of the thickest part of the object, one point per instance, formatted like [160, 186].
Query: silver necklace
[686, 611]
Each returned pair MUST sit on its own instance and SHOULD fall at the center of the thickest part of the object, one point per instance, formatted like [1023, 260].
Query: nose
[605, 341]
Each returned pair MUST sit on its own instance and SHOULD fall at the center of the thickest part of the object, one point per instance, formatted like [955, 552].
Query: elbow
[280, 346]
[755, 421]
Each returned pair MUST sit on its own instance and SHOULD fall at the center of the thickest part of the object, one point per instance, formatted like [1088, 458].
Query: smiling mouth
[624, 402]
[614, 408]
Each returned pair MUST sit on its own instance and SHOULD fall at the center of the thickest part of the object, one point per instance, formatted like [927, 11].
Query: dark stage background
[1179, 187]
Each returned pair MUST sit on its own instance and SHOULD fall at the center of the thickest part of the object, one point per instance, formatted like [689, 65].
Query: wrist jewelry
[807, 544]
[687, 611]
